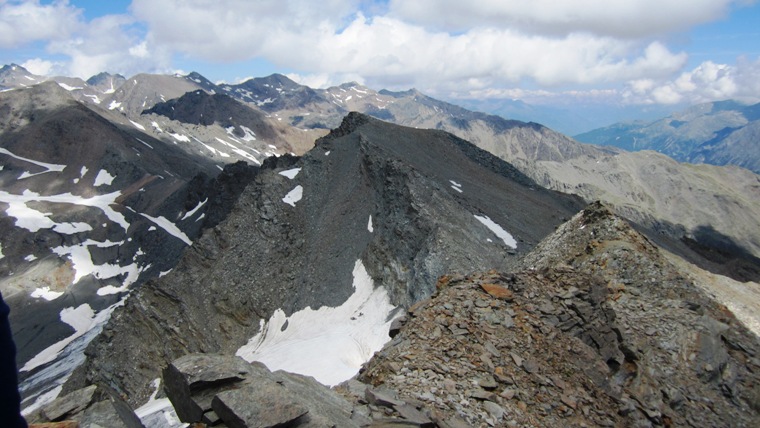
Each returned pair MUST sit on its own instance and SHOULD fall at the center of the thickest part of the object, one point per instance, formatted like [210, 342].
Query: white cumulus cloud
[707, 82]
[22, 22]
[616, 18]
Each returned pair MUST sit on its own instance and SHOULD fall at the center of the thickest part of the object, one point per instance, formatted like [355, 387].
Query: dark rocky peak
[394, 205]
[400, 94]
[275, 80]
[202, 81]
[350, 123]
[273, 93]
[12, 70]
[106, 82]
[103, 77]
[202, 108]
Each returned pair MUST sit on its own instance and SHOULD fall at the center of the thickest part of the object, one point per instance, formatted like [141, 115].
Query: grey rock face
[90, 407]
[262, 405]
[69, 404]
[191, 382]
[216, 388]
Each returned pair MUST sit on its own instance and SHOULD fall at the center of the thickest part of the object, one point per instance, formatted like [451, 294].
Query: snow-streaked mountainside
[718, 133]
[275, 257]
[212, 208]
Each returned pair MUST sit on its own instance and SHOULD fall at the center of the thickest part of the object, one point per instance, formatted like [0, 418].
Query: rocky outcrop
[215, 389]
[599, 329]
[88, 407]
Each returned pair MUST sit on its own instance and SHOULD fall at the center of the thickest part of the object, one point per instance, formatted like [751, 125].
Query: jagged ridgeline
[514, 314]
[393, 205]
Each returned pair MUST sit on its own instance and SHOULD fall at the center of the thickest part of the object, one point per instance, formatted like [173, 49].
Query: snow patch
[330, 344]
[158, 408]
[137, 125]
[103, 177]
[194, 210]
[114, 105]
[369, 225]
[33, 220]
[498, 231]
[149, 146]
[293, 196]
[249, 134]
[291, 173]
[30, 258]
[46, 293]
[169, 227]
[180, 137]
[69, 88]
[81, 261]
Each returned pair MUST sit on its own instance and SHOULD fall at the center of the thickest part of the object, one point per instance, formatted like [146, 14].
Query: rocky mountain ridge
[411, 218]
[594, 327]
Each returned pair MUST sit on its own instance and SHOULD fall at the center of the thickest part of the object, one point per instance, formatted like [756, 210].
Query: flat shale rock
[69, 405]
[192, 381]
[262, 405]
[212, 389]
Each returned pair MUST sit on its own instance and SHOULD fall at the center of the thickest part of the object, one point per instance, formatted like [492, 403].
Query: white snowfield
[329, 344]
[293, 196]
[80, 319]
[291, 173]
[46, 293]
[499, 231]
[31, 219]
[103, 177]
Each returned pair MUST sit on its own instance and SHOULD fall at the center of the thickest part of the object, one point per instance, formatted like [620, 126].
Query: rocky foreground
[595, 328]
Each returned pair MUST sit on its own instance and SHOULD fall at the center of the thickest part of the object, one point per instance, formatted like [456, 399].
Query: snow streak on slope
[169, 227]
[499, 231]
[194, 210]
[49, 167]
[66, 355]
[329, 344]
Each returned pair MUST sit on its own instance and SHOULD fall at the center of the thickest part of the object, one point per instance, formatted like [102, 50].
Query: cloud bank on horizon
[629, 51]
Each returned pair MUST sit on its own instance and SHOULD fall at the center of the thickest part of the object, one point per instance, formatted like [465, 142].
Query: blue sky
[542, 51]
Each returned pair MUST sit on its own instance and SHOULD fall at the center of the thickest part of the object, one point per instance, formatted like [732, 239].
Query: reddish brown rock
[498, 291]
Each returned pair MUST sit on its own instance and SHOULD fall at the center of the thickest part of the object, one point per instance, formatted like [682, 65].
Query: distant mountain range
[718, 133]
[568, 119]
